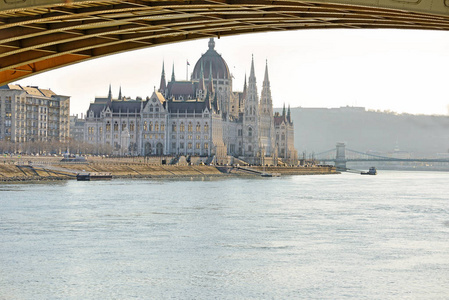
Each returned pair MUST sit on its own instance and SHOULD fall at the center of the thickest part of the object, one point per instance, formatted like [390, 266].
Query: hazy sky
[397, 70]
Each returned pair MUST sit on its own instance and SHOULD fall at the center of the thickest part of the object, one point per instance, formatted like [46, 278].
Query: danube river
[306, 237]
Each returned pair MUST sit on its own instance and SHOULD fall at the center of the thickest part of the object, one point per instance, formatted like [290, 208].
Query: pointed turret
[265, 98]
[215, 104]
[210, 86]
[110, 93]
[289, 114]
[283, 111]
[252, 74]
[163, 84]
[266, 81]
[201, 85]
[251, 116]
[173, 73]
[266, 116]
[244, 88]
[120, 93]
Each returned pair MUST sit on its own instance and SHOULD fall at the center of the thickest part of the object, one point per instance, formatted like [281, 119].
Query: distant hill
[319, 129]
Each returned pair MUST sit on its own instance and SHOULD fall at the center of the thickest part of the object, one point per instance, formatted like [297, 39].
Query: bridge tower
[340, 159]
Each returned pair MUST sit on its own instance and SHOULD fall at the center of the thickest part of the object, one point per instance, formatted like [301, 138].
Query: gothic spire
[215, 104]
[173, 73]
[289, 115]
[211, 82]
[163, 84]
[110, 93]
[120, 93]
[283, 111]
[201, 85]
[266, 81]
[265, 96]
[244, 87]
[252, 74]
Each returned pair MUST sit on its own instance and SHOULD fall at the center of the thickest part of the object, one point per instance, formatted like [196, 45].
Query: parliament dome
[211, 57]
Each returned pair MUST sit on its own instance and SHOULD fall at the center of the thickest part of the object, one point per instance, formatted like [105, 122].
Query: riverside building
[199, 117]
[32, 114]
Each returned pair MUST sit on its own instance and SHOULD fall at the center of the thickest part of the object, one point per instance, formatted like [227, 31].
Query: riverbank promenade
[26, 168]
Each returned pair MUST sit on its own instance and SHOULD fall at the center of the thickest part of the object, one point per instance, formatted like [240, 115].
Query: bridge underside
[40, 35]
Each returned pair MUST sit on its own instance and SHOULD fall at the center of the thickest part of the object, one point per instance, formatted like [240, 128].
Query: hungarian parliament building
[200, 117]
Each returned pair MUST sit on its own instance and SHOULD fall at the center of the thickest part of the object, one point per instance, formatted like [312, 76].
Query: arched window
[108, 126]
[123, 126]
[156, 126]
[115, 126]
[250, 132]
[206, 127]
[190, 127]
[151, 107]
[131, 126]
[162, 126]
[145, 126]
[173, 127]
[198, 127]
[181, 127]
[151, 126]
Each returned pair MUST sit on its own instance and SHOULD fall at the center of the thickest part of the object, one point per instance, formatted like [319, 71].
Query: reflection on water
[330, 237]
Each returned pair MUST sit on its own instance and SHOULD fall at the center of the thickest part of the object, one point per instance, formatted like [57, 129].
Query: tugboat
[371, 171]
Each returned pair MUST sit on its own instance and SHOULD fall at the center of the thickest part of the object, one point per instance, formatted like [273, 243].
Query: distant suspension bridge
[340, 155]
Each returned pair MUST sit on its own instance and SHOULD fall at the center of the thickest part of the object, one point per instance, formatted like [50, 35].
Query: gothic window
[206, 127]
[182, 127]
[198, 145]
[156, 126]
[173, 127]
[198, 127]
[108, 126]
[151, 126]
[131, 126]
[250, 132]
[115, 126]
[162, 126]
[206, 146]
[123, 126]
[156, 109]
[151, 108]
[145, 126]
[190, 127]
[283, 137]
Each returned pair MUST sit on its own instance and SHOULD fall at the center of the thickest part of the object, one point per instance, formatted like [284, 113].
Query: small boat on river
[264, 174]
[86, 176]
[371, 171]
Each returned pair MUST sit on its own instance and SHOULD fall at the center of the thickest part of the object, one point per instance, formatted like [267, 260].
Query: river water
[294, 237]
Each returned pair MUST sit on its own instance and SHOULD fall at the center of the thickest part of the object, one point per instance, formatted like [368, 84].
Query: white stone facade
[200, 117]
